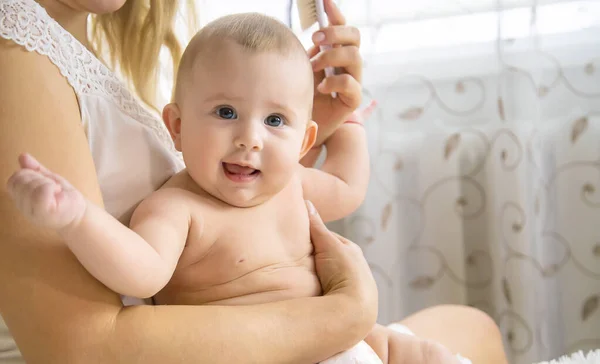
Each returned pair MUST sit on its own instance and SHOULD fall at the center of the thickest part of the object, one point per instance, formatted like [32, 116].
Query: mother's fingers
[320, 235]
[343, 240]
[348, 89]
[313, 51]
[337, 35]
[348, 58]
[334, 14]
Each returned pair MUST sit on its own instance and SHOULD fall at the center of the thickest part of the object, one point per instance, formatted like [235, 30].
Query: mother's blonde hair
[130, 40]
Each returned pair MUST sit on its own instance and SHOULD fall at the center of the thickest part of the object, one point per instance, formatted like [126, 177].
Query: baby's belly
[273, 282]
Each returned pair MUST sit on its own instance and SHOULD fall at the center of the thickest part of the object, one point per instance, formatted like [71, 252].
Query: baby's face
[245, 123]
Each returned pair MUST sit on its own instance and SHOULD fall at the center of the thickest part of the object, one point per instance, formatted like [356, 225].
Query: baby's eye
[226, 112]
[274, 121]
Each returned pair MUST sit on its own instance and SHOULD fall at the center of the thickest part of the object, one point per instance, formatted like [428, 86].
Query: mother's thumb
[319, 233]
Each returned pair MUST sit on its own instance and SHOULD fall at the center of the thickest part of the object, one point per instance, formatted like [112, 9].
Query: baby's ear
[310, 136]
[172, 119]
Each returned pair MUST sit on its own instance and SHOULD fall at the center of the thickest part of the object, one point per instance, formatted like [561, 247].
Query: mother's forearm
[305, 330]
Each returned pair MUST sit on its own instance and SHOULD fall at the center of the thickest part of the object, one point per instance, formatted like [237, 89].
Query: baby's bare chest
[271, 237]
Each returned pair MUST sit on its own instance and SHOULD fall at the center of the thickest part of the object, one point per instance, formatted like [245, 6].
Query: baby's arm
[134, 262]
[339, 187]
[139, 261]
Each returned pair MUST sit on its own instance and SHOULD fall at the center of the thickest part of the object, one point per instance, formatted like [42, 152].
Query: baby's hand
[45, 198]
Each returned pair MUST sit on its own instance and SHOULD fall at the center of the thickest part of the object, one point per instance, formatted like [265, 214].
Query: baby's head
[242, 106]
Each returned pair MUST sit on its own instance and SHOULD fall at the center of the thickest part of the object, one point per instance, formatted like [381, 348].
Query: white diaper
[362, 353]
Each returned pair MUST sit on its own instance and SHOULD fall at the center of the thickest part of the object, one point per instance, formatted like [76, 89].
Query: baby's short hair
[253, 31]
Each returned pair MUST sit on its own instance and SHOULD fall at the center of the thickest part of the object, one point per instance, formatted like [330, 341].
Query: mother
[59, 102]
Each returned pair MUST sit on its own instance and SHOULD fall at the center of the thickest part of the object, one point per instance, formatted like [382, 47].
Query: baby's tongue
[237, 169]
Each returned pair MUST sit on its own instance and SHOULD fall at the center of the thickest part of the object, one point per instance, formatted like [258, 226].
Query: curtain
[485, 181]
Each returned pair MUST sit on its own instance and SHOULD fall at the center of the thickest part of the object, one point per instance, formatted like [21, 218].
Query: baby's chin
[242, 199]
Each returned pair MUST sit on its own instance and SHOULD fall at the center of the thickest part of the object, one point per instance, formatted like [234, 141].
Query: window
[397, 25]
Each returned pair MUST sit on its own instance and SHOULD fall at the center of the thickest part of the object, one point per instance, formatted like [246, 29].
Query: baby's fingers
[43, 199]
[19, 181]
[27, 161]
[26, 187]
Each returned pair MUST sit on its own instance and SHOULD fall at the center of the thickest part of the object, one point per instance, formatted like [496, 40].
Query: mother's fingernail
[311, 207]
[318, 37]
[321, 86]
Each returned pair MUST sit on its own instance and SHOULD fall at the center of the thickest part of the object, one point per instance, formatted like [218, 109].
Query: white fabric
[360, 353]
[132, 151]
[485, 186]
[592, 357]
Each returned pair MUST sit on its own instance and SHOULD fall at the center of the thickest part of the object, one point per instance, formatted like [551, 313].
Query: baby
[232, 228]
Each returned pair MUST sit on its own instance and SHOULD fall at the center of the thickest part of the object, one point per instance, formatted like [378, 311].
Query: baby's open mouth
[239, 173]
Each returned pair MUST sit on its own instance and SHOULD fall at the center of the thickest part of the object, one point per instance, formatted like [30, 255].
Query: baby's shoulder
[196, 205]
[172, 201]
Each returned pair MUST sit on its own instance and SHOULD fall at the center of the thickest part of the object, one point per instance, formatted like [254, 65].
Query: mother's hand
[343, 270]
[330, 112]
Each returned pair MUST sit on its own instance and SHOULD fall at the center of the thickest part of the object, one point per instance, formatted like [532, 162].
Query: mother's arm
[58, 313]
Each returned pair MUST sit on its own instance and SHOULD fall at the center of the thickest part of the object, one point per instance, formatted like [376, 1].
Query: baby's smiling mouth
[239, 173]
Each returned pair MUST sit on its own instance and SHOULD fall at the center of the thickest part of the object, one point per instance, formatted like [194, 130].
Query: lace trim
[28, 24]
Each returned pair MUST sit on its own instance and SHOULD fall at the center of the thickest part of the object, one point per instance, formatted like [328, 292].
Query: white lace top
[131, 148]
